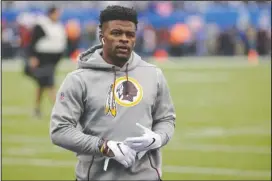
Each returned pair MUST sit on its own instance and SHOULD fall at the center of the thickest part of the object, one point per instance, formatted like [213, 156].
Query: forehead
[120, 24]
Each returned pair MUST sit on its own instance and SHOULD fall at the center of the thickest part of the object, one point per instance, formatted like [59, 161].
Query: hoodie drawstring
[114, 79]
[127, 87]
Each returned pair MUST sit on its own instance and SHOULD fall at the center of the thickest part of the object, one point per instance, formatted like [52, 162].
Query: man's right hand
[119, 152]
[34, 62]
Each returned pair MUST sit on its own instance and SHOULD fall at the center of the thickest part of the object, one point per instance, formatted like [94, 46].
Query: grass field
[223, 128]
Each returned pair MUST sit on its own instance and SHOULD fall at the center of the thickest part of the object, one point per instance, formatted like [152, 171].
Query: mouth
[123, 49]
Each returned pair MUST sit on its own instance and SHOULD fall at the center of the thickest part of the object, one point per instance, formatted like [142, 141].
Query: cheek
[113, 48]
[110, 44]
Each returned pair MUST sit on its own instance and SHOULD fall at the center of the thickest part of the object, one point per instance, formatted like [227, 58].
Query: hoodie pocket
[83, 168]
[90, 168]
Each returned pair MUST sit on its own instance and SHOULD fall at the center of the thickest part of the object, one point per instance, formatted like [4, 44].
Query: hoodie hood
[92, 59]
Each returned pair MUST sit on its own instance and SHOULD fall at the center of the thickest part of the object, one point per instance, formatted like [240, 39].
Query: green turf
[223, 122]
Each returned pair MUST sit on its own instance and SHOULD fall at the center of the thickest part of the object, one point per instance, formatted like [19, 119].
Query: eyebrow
[118, 29]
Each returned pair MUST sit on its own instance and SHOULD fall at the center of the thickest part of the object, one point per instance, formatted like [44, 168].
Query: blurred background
[181, 28]
[217, 60]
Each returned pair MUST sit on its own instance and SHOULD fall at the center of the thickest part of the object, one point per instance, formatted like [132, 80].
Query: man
[47, 45]
[114, 138]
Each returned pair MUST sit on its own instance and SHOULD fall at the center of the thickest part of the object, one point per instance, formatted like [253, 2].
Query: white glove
[122, 153]
[149, 140]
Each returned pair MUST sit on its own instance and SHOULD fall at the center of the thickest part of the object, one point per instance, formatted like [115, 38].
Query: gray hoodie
[86, 109]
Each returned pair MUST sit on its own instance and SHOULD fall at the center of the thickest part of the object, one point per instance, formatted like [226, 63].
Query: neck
[110, 60]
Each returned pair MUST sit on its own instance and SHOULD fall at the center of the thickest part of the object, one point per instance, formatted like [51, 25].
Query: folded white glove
[148, 141]
[122, 153]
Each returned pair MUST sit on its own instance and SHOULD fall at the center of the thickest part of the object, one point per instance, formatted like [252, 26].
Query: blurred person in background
[212, 35]
[99, 104]
[10, 39]
[196, 26]
[163, 15]
[73, 31]
[5, 40]
[180, 38]
[162, 39]
[89, 34]
[149, 41]
[25, 22]
[264, 34]
[47, 45]
[227, 42]
[251, 39]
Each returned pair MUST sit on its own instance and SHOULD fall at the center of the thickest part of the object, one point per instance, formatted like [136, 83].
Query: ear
[101, 38]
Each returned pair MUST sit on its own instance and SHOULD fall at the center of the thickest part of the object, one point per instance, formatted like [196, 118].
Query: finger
[106, 164]
[132, 161]
[131, 140]
[135, 145]
[132, 153]
[129, 161]
[131, 158]
[141, 154]
[123, 162]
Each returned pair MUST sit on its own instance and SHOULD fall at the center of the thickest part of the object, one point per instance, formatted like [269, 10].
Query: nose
[124, 39]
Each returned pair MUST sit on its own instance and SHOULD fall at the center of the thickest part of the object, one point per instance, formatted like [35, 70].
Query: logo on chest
[125, 92]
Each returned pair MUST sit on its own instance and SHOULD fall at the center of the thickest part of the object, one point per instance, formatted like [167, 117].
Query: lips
[123, 48]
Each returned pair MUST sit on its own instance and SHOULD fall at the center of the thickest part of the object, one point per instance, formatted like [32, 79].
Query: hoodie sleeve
[66, 113]
[163, 112]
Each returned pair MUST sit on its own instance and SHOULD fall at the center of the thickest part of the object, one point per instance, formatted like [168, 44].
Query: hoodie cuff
[164, 137]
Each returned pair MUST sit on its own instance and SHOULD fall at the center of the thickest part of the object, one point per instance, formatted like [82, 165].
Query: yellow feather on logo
[110, 107]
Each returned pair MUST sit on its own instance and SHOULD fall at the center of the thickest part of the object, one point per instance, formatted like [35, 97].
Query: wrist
[104, 149]
[102, 146]
[100, 143]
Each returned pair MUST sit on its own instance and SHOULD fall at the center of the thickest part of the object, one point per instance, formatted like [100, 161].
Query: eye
[116, 33]
[131, 34]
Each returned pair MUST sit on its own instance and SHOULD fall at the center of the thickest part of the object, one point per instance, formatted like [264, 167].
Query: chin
[123, 58]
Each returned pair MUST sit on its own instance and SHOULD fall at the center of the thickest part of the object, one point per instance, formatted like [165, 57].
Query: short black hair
[116, 12]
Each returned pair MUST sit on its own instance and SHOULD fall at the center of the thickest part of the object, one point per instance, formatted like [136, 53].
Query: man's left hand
[149, 140]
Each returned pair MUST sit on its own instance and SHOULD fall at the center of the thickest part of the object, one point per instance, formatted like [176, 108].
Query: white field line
[25, 139]
[35, 146]
[225, 132]
[191, 133]
[19, 110]
[208, 65]
[265, 150]
[205, 132]
[202, 102]
[216, 171]
[16, 110]
[27, 151]
[37, 162]
[187, 62]
[201, 77]
[166, 168]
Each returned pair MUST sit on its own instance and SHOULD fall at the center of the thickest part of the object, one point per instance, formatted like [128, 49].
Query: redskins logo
[126, 93]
